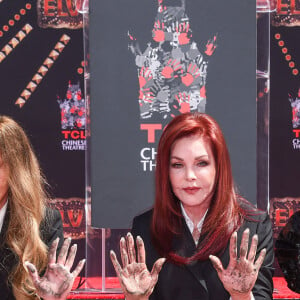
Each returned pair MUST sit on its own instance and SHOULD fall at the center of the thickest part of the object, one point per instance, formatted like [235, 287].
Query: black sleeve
[141, 227]
[263, 288]
[52, 227]
[287, 251]
[135, 229]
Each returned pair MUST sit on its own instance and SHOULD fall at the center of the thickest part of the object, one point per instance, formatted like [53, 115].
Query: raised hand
[183, 30]
[136, 281]
[171, 67]
[57, 281]
[144, 76]
[192, 73]
[240, 276]
[158, 31]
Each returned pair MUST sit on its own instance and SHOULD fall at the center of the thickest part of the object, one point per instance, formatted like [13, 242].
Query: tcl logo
[73, 134]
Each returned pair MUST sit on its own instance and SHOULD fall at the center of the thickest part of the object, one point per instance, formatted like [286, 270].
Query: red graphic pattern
[287, 56]
[11, 22]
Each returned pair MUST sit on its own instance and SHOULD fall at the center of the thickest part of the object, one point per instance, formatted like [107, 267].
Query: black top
[288, 252]
[50, 229]
[200, 280]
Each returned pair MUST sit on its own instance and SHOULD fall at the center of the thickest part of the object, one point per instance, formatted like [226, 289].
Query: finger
[61, 259]
[157, 267]
[217, 264]
[141, 254]
[78, 268]
[253, 248]
[130, 248]
[52, 252]
[260, 259]
[233, 247]
[154, 274]
[71, 257]
[244, 244]
[33, 273]
[123, 251]
[115, 263]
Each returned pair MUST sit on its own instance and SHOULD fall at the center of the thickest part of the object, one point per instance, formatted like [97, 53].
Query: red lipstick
[191, 190]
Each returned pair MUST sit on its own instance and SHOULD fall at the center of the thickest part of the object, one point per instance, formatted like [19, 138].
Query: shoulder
[143, 219]
[251, 213]
[141, 224]
[258, 221]
[51, 226]
[52, 219]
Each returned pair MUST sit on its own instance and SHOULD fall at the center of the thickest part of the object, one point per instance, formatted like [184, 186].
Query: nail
[29, 267]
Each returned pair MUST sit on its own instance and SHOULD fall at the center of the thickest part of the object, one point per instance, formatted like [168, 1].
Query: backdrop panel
[42, 88]
[151, 60]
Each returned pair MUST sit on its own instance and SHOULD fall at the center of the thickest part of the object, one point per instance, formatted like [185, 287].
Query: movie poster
[284, 156]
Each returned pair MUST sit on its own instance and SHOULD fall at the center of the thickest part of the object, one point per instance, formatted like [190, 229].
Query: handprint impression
[171, 68]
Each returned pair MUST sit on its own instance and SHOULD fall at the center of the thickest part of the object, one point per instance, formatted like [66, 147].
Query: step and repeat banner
[42, 88]
[284, 113]
[150, 61]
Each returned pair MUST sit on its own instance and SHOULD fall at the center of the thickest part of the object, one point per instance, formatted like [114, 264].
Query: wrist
[241, 296]
[135, 297]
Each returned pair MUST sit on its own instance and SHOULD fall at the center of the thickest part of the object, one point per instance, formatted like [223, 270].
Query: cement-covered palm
[57, 281]
[241, 274]
[136, 280]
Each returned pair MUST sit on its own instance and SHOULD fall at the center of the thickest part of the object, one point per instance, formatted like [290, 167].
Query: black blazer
[51, 228]
[200, 280]
[287, 251]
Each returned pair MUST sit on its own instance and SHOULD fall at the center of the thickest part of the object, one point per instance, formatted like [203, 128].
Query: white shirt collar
[2, 214]
[189, 222]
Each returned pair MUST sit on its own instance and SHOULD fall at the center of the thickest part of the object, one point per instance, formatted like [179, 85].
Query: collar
[189, 222]
[2, 214]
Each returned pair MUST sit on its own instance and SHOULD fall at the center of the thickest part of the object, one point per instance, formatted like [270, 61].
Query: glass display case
[264, 8]
[99, 273]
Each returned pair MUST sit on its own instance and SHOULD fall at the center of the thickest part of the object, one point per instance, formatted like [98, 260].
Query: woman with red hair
[198, 224]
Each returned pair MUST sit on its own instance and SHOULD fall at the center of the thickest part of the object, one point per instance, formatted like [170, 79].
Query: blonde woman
[28, 227]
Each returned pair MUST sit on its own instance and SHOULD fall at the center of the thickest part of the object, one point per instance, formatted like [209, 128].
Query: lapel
[7, 260]
[184, 245]
[7, 257]
[202, 271]
[4, 227]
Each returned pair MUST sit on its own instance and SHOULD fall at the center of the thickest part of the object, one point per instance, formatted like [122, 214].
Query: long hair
[224, 214]
[27, 203]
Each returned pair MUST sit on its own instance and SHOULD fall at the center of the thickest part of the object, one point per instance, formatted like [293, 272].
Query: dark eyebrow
[201, 157]
[176, 157]
[196, 158]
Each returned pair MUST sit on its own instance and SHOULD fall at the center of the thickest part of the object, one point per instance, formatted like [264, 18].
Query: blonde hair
[27, 204]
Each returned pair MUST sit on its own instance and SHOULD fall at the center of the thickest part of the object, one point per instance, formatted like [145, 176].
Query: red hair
[224, 215]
